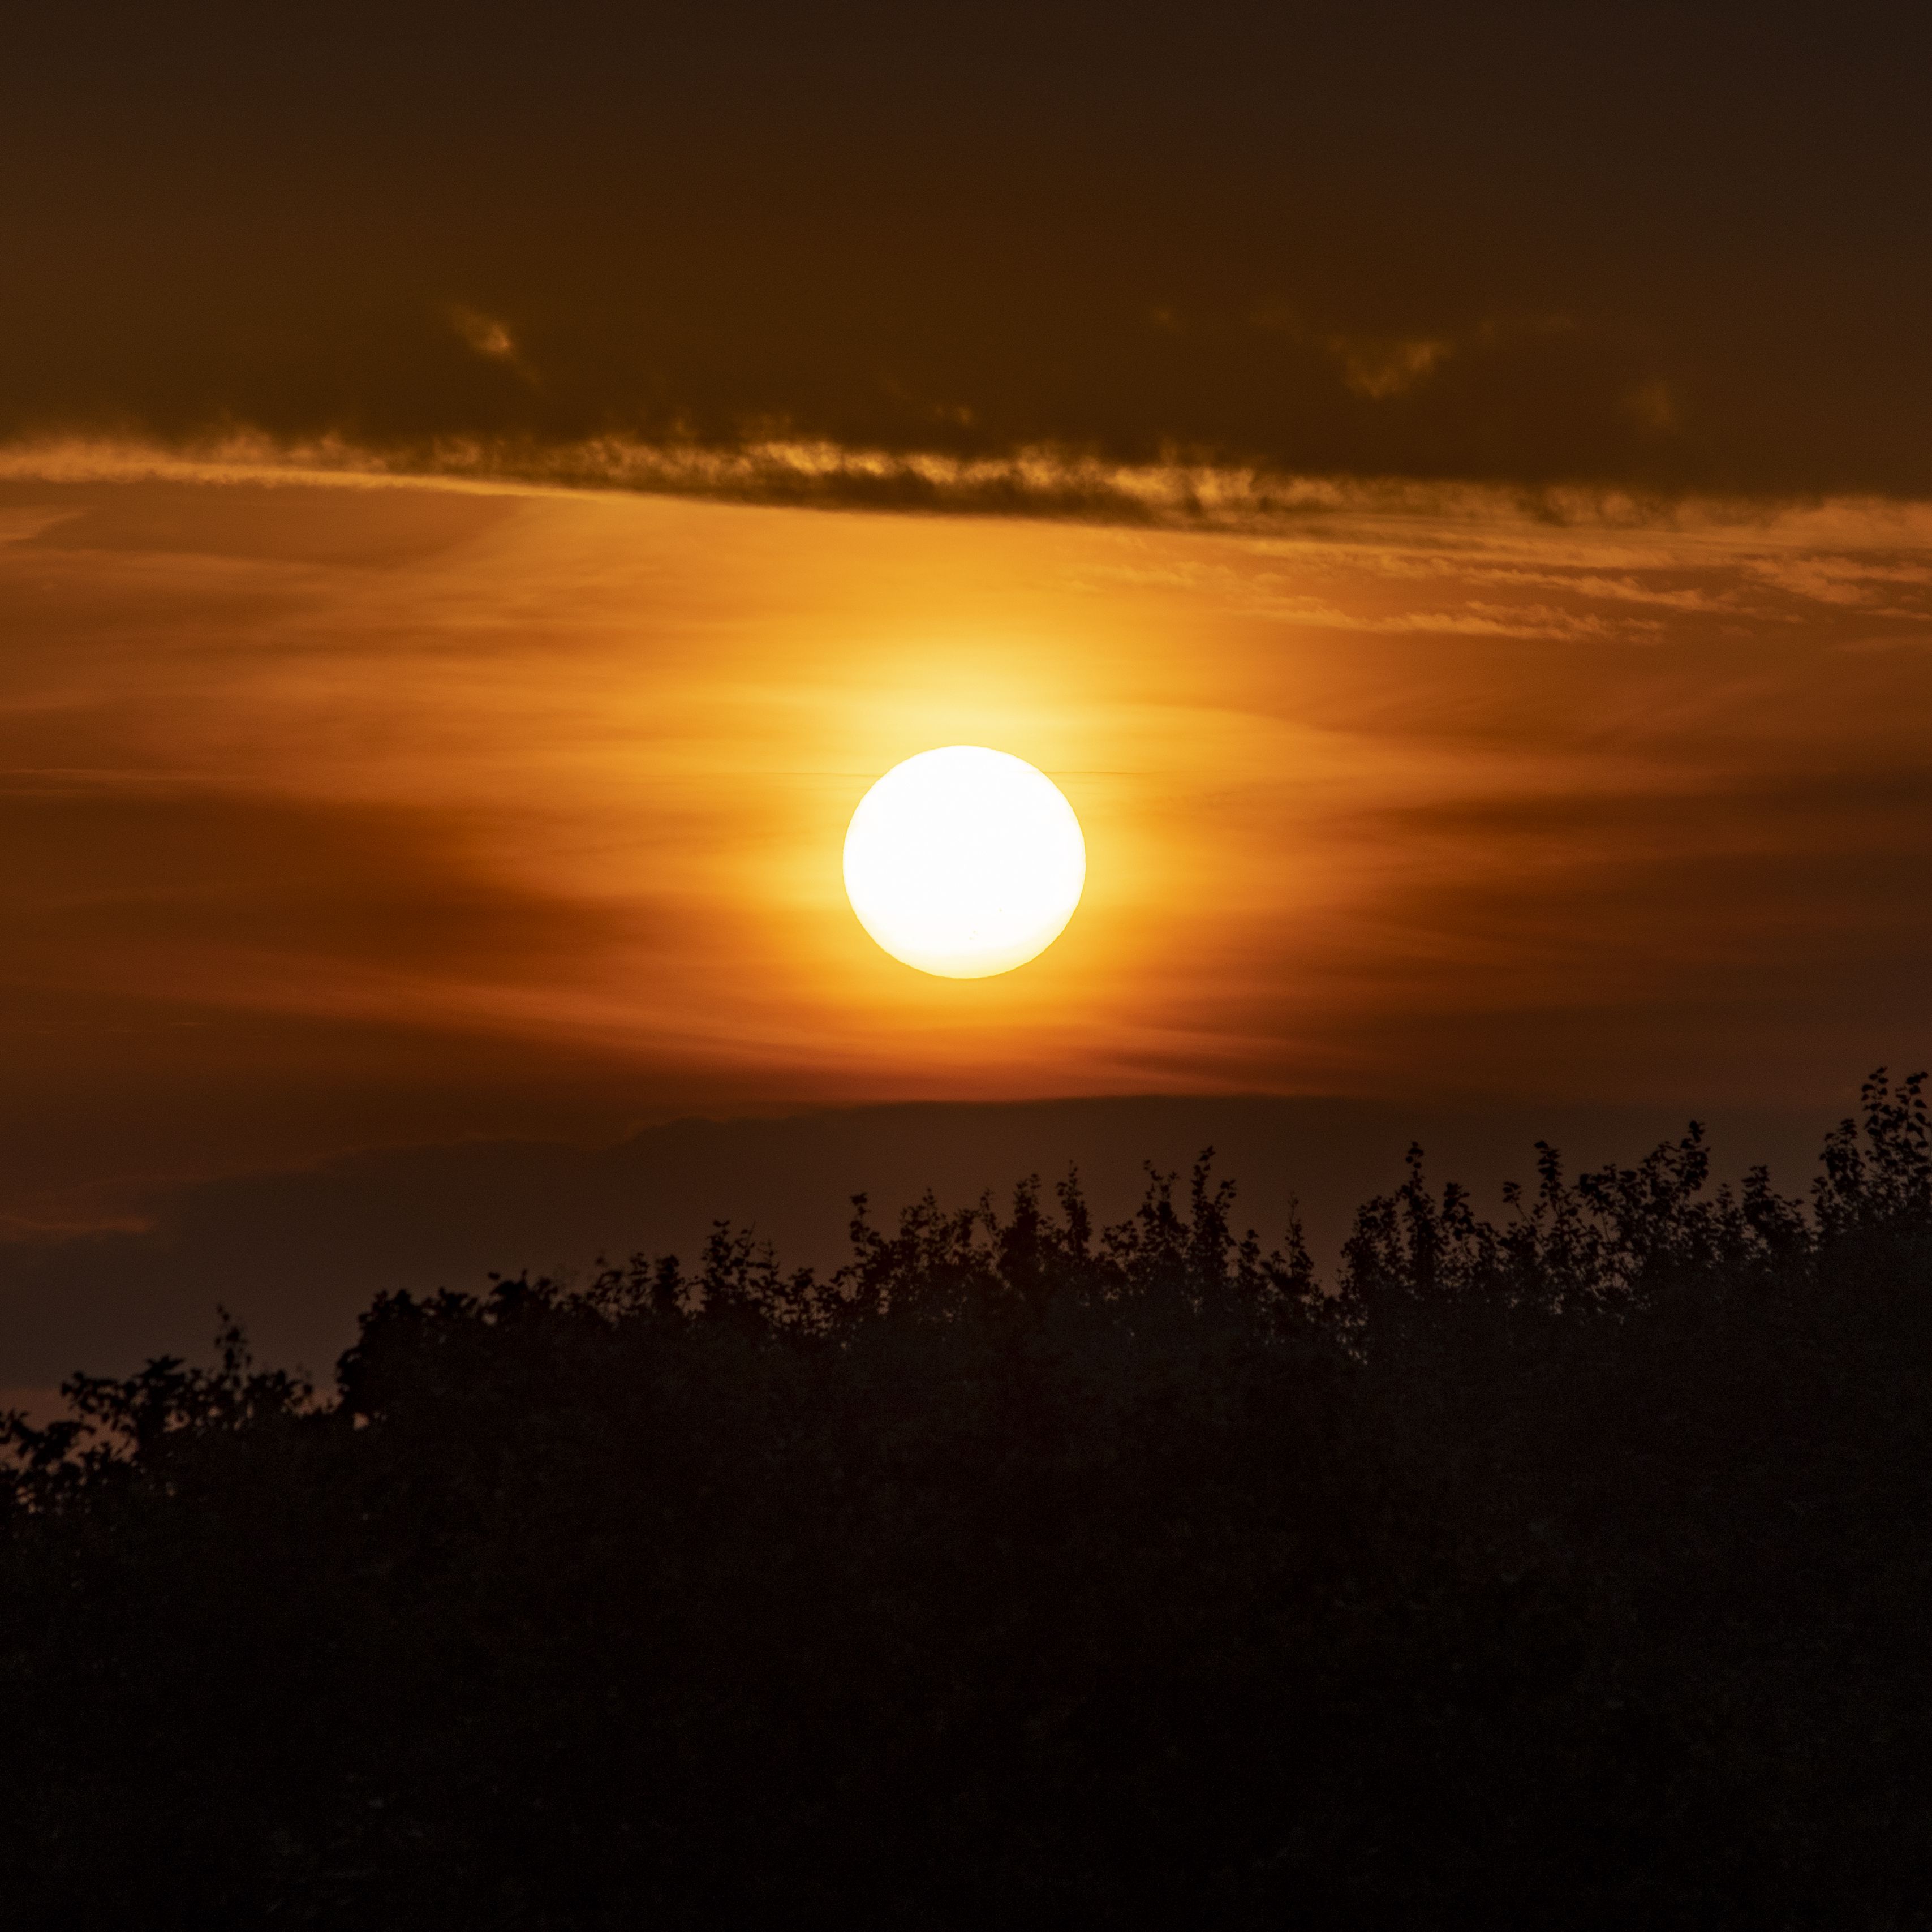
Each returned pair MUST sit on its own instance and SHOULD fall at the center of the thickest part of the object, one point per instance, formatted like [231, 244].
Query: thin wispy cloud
[542, 789]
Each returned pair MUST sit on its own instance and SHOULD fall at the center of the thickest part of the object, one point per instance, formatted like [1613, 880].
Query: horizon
[358, 814]
[300, 1251]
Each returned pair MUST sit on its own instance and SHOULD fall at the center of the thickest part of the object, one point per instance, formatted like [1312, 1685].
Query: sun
[964, 862]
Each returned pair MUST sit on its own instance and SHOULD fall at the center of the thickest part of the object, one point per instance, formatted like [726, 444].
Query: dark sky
[1668, 247]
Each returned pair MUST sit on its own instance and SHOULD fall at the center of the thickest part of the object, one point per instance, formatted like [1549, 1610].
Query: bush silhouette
[1570, 1570]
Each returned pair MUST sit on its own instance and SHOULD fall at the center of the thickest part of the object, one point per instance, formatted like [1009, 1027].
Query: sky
[356, 809]
[1447, 494]
[1663, 247]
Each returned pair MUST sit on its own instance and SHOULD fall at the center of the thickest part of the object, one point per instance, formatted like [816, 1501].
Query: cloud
[1400, 241]
[1381, 369]
[1043, 481]
[344, 806]
[484, 333]
[1614, 545]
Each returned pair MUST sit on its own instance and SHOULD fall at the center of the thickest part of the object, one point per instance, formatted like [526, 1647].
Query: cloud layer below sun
[339, 811]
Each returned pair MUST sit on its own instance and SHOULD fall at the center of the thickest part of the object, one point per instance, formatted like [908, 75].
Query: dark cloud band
[1651, 248]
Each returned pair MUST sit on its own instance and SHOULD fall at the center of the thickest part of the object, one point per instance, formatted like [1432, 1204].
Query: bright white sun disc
[964, 862]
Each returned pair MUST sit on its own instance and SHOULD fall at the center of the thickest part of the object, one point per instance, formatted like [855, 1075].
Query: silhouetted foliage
[1571, 1570]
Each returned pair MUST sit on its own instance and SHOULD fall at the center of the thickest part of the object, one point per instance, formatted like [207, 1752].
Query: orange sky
[337, 813]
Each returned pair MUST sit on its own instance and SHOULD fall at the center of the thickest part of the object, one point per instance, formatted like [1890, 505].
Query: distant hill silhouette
[1568, 1566]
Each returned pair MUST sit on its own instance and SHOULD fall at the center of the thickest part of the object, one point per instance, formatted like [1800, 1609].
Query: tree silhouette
[1570, 1568]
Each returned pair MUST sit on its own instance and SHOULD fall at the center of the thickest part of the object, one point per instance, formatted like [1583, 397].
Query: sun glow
[964, 862]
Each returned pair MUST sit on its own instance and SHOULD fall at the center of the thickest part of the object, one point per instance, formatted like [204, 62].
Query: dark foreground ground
[1571, 1573]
